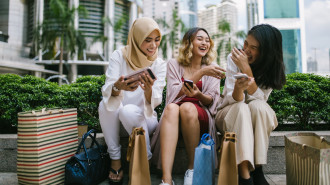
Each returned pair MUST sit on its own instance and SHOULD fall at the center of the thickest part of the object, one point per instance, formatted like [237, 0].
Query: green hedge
[304, 100]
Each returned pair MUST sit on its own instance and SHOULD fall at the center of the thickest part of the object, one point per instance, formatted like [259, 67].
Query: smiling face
[251, 48]
[150, 44]
[201, 44]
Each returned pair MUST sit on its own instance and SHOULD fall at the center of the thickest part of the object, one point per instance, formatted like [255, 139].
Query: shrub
[304, 100]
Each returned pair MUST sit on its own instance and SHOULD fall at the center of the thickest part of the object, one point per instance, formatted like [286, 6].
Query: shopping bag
[228, 174]
[204, 162]
[139, 173]
[46, 139]
[307, 158]
[90, 166]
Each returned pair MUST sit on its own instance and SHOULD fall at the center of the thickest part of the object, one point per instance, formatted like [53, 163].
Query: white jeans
[131, 116]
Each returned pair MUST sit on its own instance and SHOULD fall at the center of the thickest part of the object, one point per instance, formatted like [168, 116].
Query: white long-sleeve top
[232, 69]
[118, 67]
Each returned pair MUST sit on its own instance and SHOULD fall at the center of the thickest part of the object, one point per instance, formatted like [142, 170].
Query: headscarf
[141, 28]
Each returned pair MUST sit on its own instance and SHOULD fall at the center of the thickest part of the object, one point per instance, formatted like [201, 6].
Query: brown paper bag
[228, 173]
[139, 173]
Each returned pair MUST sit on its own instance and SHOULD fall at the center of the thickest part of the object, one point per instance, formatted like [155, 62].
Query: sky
[317, 26]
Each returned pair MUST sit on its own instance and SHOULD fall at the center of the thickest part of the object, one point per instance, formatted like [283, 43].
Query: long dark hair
[268, 69]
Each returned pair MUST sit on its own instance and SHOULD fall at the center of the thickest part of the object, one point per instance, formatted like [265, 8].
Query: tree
[58, 26]
[227, 39]
[170, 36]
[116, 28]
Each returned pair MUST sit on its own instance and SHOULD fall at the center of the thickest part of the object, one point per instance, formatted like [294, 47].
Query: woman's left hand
[191, 91]
[239, 58]
[146, 82]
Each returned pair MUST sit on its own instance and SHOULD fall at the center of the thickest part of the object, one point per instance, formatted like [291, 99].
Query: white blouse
[119, 67]
[232, 69]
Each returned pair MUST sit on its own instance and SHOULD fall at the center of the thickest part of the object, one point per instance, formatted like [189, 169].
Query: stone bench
[276, 153]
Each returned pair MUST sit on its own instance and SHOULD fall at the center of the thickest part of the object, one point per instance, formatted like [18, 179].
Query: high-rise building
[311, 65]
[288, 17]
[19, 19]
[210, 18]
[188, 12]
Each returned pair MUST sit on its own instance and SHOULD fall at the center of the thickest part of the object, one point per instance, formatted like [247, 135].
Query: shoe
[242, 181]
[163, 183]
[259, 177]
[116, 182]
[188, 177]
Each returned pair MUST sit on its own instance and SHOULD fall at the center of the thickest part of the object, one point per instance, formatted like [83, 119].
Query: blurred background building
[288, 17]
[210, 18]
[18, 20]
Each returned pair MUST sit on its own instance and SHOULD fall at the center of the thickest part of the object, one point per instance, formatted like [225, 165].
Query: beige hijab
[139, 31]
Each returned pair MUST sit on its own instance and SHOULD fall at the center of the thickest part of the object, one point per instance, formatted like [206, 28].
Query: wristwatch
[115, 88]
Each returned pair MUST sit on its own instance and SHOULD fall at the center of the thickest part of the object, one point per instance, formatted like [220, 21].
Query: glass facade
[281, 9]
[291, 50]
[188, 13]
[91, 25]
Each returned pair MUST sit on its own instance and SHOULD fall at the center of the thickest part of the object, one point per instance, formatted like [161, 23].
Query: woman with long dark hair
[244, 109]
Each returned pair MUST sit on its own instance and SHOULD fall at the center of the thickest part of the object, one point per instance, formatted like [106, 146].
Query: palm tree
[58, 26]
[227, 39]
[116, 28]
[170, 37]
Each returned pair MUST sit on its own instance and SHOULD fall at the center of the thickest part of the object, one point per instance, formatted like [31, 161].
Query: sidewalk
[273, 179]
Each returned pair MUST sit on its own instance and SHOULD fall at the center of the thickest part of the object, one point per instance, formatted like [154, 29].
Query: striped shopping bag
[46, 139]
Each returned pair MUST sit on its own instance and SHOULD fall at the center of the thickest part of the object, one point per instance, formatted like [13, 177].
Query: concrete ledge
[276, 153]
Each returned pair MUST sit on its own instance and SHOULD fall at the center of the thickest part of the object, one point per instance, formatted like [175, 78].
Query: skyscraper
[288, 17]
[188, 12]
[210, 18]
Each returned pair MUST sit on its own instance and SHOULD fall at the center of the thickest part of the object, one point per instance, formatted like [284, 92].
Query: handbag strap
[204, 139]
[82, 142]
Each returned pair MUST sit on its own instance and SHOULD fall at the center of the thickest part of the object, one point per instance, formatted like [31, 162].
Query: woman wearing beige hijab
[132, 104]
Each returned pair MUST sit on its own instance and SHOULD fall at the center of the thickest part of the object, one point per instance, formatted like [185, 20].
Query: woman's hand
[243, 83]
[214, 71]
[191, 91]
[146, 82]
[239, 58]
[126, 85]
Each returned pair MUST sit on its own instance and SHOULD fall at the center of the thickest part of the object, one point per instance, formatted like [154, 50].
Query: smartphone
[138, 73]
[189, 82]
[238, 76]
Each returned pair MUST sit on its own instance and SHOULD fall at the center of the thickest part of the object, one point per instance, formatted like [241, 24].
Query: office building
[209, 19]
[288, 17]
[18, 20]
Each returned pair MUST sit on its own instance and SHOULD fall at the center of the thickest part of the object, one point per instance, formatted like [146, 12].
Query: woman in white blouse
[127, 103]
[244, 109]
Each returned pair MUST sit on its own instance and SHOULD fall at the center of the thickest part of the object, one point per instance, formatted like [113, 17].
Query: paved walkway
[11, 179]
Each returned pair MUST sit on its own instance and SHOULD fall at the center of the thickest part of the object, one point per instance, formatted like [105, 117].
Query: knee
[131, 112]
[171, 109]
[243, 108]
[260, 107]
[188, 111]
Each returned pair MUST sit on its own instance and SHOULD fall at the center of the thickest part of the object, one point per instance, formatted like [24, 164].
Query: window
[281, 8]
[291, 50]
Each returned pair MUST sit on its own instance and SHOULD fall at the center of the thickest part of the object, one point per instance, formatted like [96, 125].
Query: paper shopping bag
[137, 157]
[204, 162]
[228, 173]
[46, 139]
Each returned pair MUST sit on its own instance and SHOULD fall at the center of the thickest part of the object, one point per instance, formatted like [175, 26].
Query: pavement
[273, 179]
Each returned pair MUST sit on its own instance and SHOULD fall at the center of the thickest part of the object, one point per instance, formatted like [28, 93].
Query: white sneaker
[188, 177]
[163, 183]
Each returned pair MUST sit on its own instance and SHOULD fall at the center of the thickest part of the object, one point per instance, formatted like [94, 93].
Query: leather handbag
[89, 167]
[204, 162]
[139, 173]
[228, 173]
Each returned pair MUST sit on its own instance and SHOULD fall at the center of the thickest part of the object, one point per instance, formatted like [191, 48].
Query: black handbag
[89, 167]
